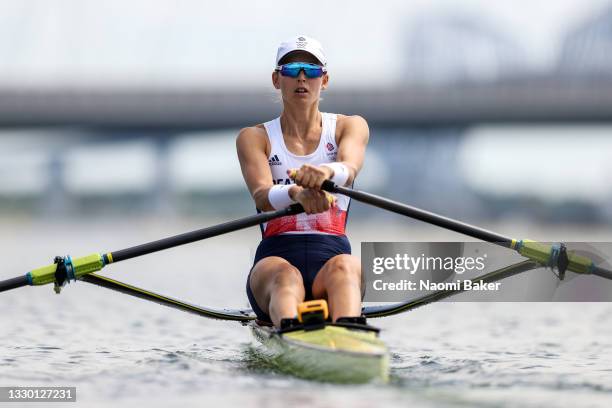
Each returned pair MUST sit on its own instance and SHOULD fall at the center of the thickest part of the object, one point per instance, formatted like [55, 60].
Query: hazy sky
[233, 43]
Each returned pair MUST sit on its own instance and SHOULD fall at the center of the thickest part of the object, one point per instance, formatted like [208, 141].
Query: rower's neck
[301, 123]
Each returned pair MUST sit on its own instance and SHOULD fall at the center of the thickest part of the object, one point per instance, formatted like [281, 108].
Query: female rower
[285, 161]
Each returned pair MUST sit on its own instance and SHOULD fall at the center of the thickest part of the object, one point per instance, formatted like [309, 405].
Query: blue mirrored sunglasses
[293, 69]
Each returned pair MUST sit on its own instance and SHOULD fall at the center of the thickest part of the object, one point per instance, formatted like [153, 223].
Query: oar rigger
[64, 272]
[559, 259]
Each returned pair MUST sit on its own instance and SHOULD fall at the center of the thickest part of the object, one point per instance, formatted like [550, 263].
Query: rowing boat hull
[330, 353]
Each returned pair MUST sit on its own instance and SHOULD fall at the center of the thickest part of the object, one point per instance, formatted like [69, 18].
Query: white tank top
[281, 159]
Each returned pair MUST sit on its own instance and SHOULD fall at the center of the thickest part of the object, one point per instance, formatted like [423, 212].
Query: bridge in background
[528, 100]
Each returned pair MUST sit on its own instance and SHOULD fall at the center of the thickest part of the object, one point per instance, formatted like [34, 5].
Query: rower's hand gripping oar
[66, 269]
[553, 256]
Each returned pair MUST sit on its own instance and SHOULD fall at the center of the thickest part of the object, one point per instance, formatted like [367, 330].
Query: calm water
[126, 351]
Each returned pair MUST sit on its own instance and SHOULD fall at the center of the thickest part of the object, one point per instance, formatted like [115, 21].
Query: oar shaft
[14, 283]
[544, 254]
[201, 234]
[78, 267]
[604, 273]
[421, 215]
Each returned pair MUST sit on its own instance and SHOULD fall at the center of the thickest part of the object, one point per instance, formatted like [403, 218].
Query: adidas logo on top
[274, 161]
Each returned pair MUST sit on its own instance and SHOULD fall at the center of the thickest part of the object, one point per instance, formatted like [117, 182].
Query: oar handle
[329, 185]
[14, 283]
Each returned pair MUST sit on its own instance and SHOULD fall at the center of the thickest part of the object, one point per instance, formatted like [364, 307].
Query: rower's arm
[251, 145]
[352, 141]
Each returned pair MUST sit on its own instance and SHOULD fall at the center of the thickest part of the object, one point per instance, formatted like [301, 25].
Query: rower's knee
[343, 269]
[287, 277]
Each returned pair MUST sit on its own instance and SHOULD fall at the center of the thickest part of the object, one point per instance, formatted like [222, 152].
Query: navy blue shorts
[307, 252]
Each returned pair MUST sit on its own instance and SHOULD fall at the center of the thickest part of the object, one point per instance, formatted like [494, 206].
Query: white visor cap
[302, 43]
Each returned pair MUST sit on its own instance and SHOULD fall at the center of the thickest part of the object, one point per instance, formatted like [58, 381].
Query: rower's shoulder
[350, 121]
[253, 131]
[353, 125]
[252, 140]
[252, 135]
